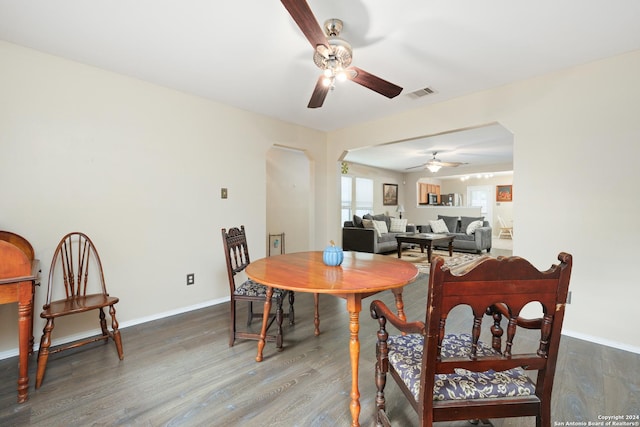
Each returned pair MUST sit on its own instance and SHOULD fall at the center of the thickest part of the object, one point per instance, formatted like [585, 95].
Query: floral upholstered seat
[405, 355]
[252, 289]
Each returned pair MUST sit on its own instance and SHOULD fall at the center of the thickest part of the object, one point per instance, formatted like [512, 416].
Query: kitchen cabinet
[423, 191]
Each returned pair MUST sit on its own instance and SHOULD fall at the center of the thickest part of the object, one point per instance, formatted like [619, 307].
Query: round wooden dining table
[359, 276]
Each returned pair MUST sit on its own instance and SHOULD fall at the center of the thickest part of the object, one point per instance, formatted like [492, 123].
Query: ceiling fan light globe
[434, 168]
[341, 76]
[327, 81]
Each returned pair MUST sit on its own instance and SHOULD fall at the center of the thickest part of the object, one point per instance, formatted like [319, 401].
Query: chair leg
[382, 354]
[279, 318]
[103, 323]
[381, 382]
[544, 418]
[381, 419]
[316, 315]
[232, 322]
[292, 315]
[43, 352]
[116, 332]
[250, 313]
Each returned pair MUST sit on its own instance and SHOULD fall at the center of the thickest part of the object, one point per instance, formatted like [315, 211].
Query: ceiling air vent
[422, 92]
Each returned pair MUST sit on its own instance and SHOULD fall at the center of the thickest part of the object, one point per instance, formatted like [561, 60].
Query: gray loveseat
[477, 241]
[355, 237]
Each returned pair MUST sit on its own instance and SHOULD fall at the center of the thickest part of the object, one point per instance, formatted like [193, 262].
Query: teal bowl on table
[333, 256]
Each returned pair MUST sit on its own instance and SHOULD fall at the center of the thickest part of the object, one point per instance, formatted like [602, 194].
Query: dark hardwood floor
[179, 371]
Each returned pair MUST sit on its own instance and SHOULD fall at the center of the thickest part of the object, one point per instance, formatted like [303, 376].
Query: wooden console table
[18, 275]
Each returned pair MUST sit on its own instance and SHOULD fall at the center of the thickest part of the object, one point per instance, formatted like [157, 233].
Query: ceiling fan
[333, 55]
[435, 164]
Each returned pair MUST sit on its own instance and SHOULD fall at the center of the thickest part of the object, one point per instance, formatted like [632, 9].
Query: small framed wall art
[389, 194]
[504, 193]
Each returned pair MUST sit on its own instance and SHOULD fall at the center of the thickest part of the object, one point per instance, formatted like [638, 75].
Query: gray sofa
[357, 238]
[478, 241]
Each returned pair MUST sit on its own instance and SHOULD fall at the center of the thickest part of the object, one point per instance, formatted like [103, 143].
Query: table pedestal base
[354, 307]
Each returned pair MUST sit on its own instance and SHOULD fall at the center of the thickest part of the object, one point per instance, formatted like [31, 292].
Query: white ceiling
[251, 55]
[483, 149]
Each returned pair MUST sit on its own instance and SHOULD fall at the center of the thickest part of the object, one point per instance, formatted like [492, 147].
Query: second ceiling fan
[333, 55]
[434, 164]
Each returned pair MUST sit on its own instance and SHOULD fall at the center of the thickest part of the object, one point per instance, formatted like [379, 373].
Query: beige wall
[139, 168]
[576, 148]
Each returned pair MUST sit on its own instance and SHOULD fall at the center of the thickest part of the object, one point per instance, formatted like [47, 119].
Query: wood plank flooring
[179, 371]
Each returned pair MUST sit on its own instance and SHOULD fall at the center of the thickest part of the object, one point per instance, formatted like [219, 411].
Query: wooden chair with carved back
[237, 257]
[76, 279]
[452, 376]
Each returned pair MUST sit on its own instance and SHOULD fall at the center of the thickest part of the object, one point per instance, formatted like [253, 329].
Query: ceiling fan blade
[319, 94]
[302, 14]
[451, 164]
[416, 167]
[375, 83]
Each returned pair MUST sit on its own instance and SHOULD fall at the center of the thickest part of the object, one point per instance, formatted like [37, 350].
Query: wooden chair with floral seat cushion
[76, 285]
[236, 253]
[237, 257]
[449, 376]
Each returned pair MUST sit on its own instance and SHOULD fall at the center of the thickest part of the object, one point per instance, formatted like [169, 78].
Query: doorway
[482, 196]
[289, 197]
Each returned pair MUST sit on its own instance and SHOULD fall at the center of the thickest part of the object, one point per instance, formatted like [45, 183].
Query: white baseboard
[601, 341]
[14, 351]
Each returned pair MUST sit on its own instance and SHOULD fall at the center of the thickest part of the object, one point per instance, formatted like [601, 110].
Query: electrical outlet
[224, 193]
[191, 279]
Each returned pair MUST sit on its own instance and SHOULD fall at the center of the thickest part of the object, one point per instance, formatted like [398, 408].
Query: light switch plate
[223, 193]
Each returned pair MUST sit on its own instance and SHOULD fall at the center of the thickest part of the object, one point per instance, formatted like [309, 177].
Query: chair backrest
[76, 265]
[236, 252]
[497, 287]
[502, 222]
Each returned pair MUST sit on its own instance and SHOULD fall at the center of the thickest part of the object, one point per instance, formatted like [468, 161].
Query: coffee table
[424, 240]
